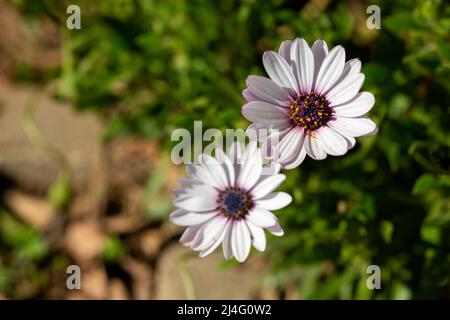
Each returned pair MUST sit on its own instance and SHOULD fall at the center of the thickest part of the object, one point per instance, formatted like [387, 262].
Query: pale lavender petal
[184, 218]
[267, 185]
[285, 50]
[267, 90]
[271, 168]
[261, 217]
[269, 147]
[313, 149]
[248, 95]
[226, 242]
[263, 112]
[302, 60]
[258, 132]
[189, 235]
[320, 51]
[279, 70]
[291, 143]
[251, 169]
[352, 127]
[274, 201]
[331, 69]
[276, 230]
[331, 141]
[240, 240]
[351, 67]
[215, 171]
[228, 166]
[216, 242]
[205, 201]
[358, 106]
[209, 233]
[297, 160]
[258, 237]
[350, 142]
[345, 90]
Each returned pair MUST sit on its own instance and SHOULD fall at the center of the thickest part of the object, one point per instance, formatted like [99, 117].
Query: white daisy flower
[226, 200]
[311, 103]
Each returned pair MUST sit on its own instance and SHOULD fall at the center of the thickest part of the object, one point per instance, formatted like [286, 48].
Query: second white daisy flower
[228, 201]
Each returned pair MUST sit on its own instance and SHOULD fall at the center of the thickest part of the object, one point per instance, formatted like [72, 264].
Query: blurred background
[85, 171]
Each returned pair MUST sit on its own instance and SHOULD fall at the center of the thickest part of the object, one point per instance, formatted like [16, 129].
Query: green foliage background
[152, 66]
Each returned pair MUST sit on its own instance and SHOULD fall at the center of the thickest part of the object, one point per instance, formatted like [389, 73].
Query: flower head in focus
[311, 103]
[226, 200]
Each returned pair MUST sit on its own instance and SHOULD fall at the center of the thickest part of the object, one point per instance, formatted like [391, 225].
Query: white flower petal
[261, 217]
[259, 132]
[371, 133]
[184, 218]
[320, 51]
[291, 143]
[302, 61]
[358, 106]
[192, 172]
[189, 235]
[252, 131]
[258, 237]
[234, 152]
[297, 160]
[269, 147]
[267, 185]
[267, 90]
[216, 172]
[350, 142]
[200, 203]
[201, 173]
[194, 190]
[227, 164]
[352, 127]
[248, 95]
[240, 240]
[226, 242]
[313, 148]
[346, 89]
[352, 66]
[285, 50]
[263, 112]
[187, 187]
[271, 168]
[209, 233]
[274, 201]
[279, 70]
[188, 183]
[331, 69]
[216, 242]
[331, 141]
[276, 230]
[252, 167]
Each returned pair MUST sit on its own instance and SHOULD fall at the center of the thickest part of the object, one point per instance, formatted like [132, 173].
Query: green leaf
[60, 192]
[424, 184]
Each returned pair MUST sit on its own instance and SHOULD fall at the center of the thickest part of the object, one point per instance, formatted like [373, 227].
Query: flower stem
[186, 276]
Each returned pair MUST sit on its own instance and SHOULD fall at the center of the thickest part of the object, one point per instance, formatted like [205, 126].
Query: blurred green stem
[186, 276]
[39, 141]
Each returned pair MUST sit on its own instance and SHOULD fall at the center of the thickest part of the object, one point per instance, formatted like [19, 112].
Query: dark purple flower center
[310, 111]
[235, 202]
